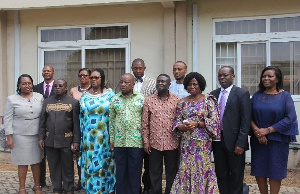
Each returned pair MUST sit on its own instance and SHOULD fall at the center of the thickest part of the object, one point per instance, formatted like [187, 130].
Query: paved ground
[9, 184]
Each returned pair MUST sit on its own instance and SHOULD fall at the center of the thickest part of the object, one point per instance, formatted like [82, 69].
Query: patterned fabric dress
[196, 173]
[96, 160]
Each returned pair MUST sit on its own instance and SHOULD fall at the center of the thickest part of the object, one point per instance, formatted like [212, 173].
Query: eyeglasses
[82, 75]
[224, 75]
[26, 84]
[126, 83]
[58, 85]
[95, 77]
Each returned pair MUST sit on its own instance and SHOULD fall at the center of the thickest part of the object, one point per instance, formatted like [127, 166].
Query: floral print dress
[196, 173]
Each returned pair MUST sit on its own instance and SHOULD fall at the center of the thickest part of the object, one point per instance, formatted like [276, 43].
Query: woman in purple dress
[197, 121]
[274, 125]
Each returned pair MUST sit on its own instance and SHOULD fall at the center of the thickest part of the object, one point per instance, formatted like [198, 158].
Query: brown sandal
[22, 191]
[37, 190]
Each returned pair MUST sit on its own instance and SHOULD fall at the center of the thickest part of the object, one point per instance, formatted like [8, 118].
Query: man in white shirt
[179, 71]
[143, 84]
[147, 87]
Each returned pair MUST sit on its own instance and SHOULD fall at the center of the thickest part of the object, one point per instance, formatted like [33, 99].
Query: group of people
[150, 123]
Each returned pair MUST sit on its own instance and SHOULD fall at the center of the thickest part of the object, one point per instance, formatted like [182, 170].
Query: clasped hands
[260, 134]
[74, 146]
[190, 125]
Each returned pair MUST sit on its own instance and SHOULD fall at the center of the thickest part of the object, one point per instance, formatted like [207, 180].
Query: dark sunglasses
[82, 75]
[95, 77]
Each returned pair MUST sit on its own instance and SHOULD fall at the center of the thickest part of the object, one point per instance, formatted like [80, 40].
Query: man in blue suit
[235, 116]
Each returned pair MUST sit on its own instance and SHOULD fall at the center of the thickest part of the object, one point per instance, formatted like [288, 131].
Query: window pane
[253, 59]
[111, 60]
[71, 34]
[241, 27]
[285, 24]
[66, 64]
[112, 32]
[286, 56]
[225, 56]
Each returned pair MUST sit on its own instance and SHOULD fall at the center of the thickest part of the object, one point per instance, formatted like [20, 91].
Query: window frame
[82, 45]
[240, 39]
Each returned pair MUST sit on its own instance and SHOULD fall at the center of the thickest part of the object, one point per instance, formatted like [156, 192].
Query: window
[249, 45]
[69, 49]
[286, 56]
[240, 27]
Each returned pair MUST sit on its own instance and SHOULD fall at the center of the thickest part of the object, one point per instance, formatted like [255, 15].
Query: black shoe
[78, 187]
[43, 184]
[147, 191]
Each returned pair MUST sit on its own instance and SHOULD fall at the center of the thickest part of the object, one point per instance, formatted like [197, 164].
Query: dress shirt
[158, 119]
[178, 89]
[226, 94]
[50, 87]
[138, 85]
[125, 120]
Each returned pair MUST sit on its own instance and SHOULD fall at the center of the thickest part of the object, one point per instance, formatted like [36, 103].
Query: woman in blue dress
[274, 126]
[96, 160]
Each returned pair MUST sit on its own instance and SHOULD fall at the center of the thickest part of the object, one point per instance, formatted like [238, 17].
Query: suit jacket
[236, 118]
[148, 87]
[40, 89]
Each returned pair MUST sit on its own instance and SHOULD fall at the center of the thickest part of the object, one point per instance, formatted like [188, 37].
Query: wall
[146, 31]
[3, 59]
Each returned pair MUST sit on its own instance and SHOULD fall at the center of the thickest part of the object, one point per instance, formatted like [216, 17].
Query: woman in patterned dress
[197, 121]
[76, 93]
[96, 160]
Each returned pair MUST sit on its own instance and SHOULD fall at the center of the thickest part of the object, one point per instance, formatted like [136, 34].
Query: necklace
[83, 89]
[196, 99]
[96, 91]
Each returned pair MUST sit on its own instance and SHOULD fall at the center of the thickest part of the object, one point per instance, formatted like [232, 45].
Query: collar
[169, 94]
[227, 89]
[134, 93]
[61, 97]
[139, 79]
[50, 84]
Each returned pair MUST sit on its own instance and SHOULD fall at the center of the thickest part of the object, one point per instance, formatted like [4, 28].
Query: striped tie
[222, 105]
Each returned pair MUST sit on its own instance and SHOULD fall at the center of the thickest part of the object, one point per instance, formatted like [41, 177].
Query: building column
[181, 31]
[169, 37]
[3, 60]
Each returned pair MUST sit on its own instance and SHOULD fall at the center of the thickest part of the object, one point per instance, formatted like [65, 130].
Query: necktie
[222, 105]
[139, 80]
[47, 93]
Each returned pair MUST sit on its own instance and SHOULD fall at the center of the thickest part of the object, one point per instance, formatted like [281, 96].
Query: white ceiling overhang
[40, 4]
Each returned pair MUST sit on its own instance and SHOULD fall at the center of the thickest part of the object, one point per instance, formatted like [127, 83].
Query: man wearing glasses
[235, 116]
[59, 134]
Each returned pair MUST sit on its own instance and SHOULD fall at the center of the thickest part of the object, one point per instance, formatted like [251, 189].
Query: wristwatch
[269, 128]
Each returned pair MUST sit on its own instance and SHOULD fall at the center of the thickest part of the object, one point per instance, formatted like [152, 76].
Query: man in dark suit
[46, 89]
[235, 115]
[48, 74]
